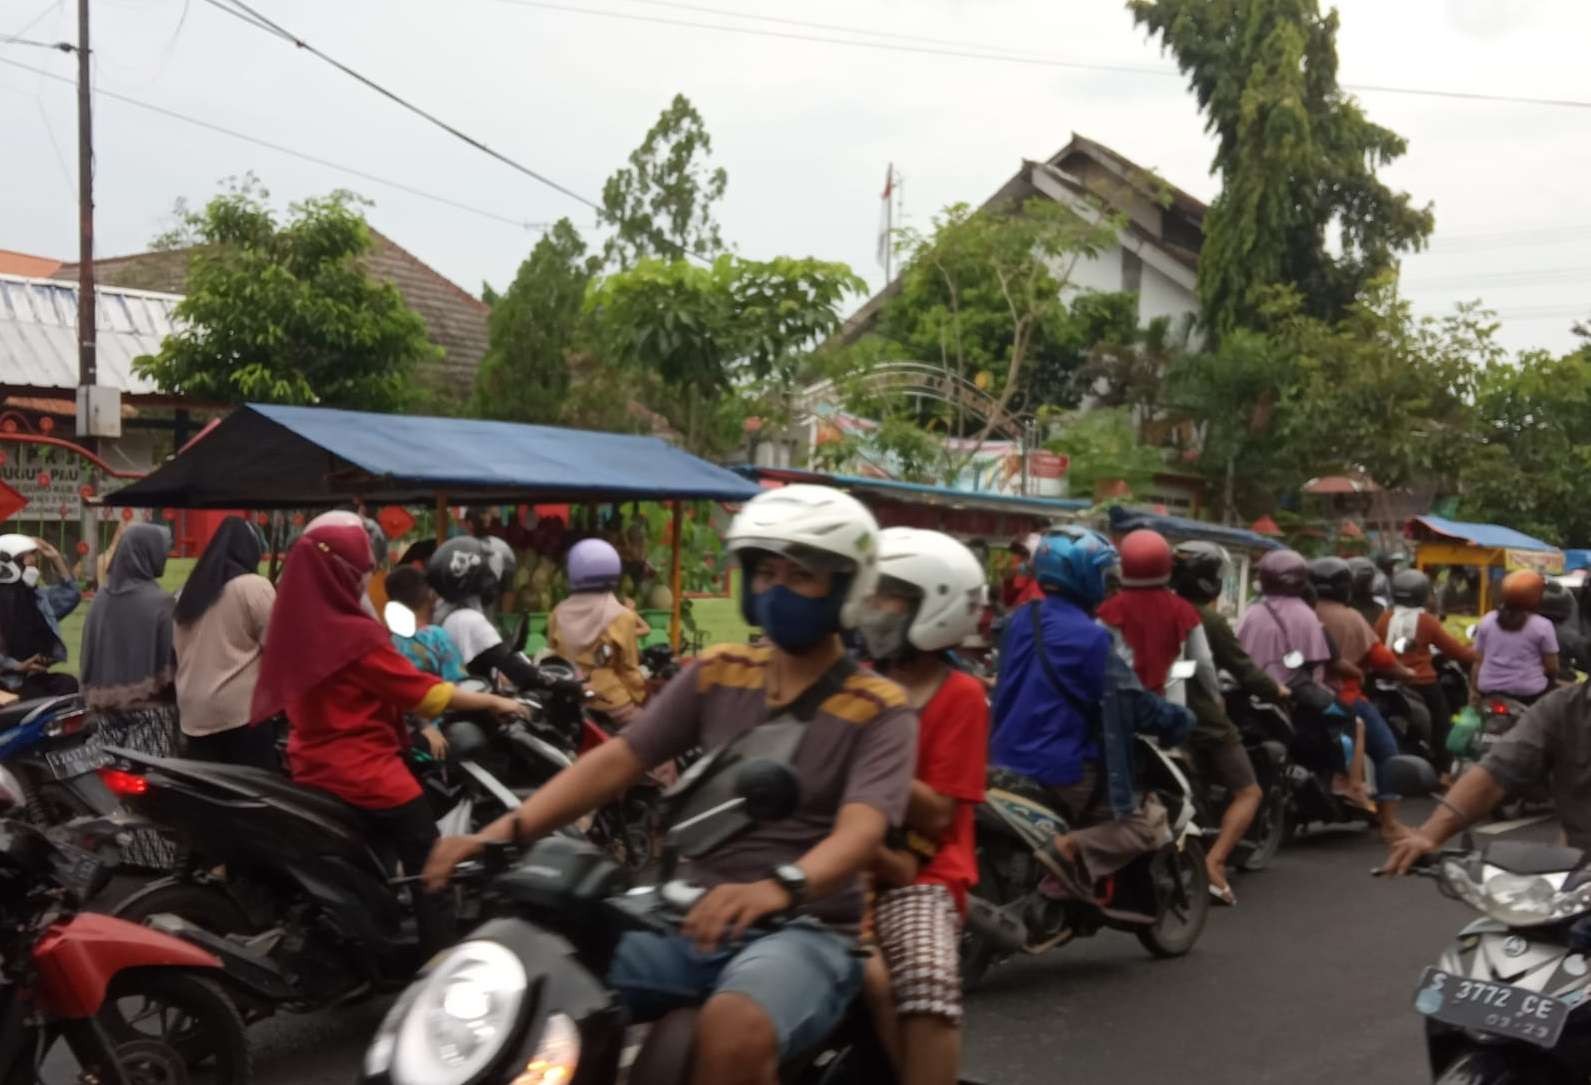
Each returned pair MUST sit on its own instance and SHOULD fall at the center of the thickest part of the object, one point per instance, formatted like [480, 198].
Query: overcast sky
[804, 128]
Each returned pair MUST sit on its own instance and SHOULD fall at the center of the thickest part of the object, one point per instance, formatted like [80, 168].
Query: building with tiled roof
[25, 263]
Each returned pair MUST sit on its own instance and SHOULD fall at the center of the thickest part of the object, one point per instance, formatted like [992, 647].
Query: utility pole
[87, 333]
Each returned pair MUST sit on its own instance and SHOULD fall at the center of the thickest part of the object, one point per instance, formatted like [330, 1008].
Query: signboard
[53, 481]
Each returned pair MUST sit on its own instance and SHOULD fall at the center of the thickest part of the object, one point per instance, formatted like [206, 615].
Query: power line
[881, 40]
[59, 46]
[258, 142]
[33, 22]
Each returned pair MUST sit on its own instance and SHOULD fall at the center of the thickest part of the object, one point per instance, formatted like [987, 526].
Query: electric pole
[87, 326]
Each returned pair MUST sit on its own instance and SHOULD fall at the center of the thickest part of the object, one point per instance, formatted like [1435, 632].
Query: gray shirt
[1552, 742]
[860, 747]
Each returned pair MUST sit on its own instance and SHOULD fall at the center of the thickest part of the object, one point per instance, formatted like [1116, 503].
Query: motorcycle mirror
[1407, 775]
[1401, 645]
[1469, 630]
[1293, 660]
[400, 619]
[1184, 669]
[770, 789]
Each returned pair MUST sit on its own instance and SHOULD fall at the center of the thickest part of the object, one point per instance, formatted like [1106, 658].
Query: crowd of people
[860, 628]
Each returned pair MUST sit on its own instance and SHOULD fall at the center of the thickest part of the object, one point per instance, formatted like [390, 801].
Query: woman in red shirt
[931, 593]
[332, 669]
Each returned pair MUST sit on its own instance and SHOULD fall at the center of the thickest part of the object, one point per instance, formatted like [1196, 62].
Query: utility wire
[944, 47]
[59, 46]
[258, 142]
[33, 22]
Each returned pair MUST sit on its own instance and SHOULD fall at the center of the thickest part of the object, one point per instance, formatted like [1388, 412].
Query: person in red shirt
[1156, 623]
[332, 669]
[930, 596]
[1020, 585]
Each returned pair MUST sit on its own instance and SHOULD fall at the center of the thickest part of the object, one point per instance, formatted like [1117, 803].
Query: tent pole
[674, 579]
[441, 519]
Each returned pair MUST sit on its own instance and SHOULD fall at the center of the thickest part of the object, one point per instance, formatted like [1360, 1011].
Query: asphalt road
[1309, 980]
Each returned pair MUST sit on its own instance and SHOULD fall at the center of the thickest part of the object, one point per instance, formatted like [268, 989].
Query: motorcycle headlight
[452, 1024]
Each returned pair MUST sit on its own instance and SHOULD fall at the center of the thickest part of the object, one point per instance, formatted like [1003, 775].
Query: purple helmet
[593, 565]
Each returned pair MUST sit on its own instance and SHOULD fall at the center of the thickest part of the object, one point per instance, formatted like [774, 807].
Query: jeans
[406, 833]
[1381, 745]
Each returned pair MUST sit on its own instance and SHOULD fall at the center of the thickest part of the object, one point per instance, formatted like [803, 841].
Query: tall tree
[534, 325]
[284, 312]
[1297, 158]
[661, 204]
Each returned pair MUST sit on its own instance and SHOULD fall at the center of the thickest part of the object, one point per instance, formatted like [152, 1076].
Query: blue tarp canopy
[1179, 528]
[1489, 535]
[920, 493]
[262, 457]
[1576, 559]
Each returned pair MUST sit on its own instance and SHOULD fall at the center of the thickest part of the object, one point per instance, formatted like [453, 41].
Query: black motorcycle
[1405, 712]
[1267, 735]
[525, 991]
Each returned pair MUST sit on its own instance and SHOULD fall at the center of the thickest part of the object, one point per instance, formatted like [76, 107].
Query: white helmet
[814, 525]
[945, 577]
[12, 547]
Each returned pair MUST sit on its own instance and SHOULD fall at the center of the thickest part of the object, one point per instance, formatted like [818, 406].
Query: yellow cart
[1466, 562]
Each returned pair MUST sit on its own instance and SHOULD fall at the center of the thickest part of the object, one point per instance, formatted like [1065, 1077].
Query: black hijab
[24, 631]
[233, 551]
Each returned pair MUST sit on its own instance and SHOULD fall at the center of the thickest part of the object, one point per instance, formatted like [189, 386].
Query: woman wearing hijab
[127, 659]
[220, 621]
[598, 633]
[332, 669]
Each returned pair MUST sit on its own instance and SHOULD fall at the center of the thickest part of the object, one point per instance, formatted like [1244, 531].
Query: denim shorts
[803, 976]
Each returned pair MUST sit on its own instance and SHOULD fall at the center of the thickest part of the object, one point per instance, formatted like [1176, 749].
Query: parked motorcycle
[134, 1006]
[1008, 913]
[49, 746]
[1507, 1001]
[524, 995]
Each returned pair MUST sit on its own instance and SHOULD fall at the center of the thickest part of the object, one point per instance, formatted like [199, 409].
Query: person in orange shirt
[1412, 631]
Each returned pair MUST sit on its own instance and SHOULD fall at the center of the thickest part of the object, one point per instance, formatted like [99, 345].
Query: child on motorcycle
[931, 594]
[808, 554]
[429, 648]
[598, 633]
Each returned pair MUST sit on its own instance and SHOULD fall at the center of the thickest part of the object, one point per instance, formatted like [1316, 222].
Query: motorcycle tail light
[121, 782]
[71, 725]
[1498, 708]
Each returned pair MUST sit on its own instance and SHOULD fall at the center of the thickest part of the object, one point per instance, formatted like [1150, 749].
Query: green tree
[284, 312]
[661, 204]
[1103, 446]
[524, 376]
[1297, 158]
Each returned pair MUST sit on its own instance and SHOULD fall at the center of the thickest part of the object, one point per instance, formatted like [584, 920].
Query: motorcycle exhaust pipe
[1004, 929]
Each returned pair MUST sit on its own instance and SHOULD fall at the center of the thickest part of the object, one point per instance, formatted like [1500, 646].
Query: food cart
[275, 457]
[1467, 562]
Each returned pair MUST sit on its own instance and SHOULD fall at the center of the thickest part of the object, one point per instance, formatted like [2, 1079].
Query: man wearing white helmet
[30, 615]
[808, 560]
[931, 594]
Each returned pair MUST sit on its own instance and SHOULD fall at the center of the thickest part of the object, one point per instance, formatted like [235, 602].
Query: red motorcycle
[133, 1005]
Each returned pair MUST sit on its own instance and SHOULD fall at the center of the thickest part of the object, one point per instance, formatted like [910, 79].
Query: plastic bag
[1466, 725]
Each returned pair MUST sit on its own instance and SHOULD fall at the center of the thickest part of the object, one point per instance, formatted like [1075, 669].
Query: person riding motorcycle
[30, 618]
[1558, 607]
[931, 595]
[1197, 575]
[1516, 648]
[1358, 644]
[469, 574]
[1066, 708]
[598, 633]
[1370, 587]
[809, 561]
[1411, 630]
[1158, 625]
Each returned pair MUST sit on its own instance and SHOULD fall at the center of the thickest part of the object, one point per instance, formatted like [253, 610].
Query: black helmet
[1390, 561]
[1557, 605]
[1411, 588]
[1198, 570]
[1364, 578]
[1332, 578]
[1283, 572]
[461, 569]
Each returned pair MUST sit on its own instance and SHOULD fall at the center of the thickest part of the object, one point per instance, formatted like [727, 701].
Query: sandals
[1224, 897]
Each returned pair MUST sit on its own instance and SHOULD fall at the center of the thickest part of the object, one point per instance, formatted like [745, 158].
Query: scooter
[1267, 736]
[1509, 1001]
[1009, 913]
[134, 1006]
[524, 994]
[1405, 712]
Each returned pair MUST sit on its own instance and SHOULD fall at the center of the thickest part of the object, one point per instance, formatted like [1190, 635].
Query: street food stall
[1466, 561]
[1245, 547]
[306, 458]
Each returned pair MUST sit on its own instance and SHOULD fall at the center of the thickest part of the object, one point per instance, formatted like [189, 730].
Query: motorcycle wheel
[978, 953]
[1269, 831]
[1182, 886]
[183, 1013]
[202, 905]
[1501, 1068]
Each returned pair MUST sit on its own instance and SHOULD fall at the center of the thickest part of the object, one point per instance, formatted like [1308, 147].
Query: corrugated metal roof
[38, 333]
[1493, 535]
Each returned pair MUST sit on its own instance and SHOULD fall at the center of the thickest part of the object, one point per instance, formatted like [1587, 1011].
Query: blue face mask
[796, 622]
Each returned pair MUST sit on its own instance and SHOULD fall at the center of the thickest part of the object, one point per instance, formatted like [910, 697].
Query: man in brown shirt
[807, 555]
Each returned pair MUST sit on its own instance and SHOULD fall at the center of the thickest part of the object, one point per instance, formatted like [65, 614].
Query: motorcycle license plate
[1500, 1009]
[78, 761]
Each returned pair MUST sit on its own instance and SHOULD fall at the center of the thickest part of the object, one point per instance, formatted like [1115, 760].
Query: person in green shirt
[1198, 572]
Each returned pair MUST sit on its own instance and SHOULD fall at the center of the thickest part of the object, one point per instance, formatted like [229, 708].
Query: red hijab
[318, 625]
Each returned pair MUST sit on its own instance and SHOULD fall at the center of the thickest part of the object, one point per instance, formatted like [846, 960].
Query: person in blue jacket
[30, 617]
[1066, 709]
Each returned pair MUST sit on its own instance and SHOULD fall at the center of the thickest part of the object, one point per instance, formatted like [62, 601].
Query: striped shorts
[919, 933]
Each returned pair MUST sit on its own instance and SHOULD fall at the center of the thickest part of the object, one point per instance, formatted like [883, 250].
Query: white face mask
[30, 576]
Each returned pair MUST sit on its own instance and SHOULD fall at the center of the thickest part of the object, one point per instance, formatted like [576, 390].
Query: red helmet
[1145, 559]
[1523, 589]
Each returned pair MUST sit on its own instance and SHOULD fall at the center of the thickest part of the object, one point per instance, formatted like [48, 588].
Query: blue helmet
[1073, 561]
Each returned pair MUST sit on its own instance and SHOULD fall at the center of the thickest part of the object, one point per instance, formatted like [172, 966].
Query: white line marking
[1499, 827]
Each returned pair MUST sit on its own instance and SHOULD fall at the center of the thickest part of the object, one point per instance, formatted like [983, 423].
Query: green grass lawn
[719, 619]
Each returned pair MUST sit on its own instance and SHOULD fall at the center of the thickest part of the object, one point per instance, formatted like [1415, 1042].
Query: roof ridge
[379, 236]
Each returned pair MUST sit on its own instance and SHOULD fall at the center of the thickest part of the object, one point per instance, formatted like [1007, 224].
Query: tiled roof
[38, 333]
[454, 319]
[24, 263]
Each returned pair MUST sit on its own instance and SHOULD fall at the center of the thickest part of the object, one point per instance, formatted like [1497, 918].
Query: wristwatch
[792, 880]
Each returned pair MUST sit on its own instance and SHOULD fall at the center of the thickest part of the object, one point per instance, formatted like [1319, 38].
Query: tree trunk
[1228, 496]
